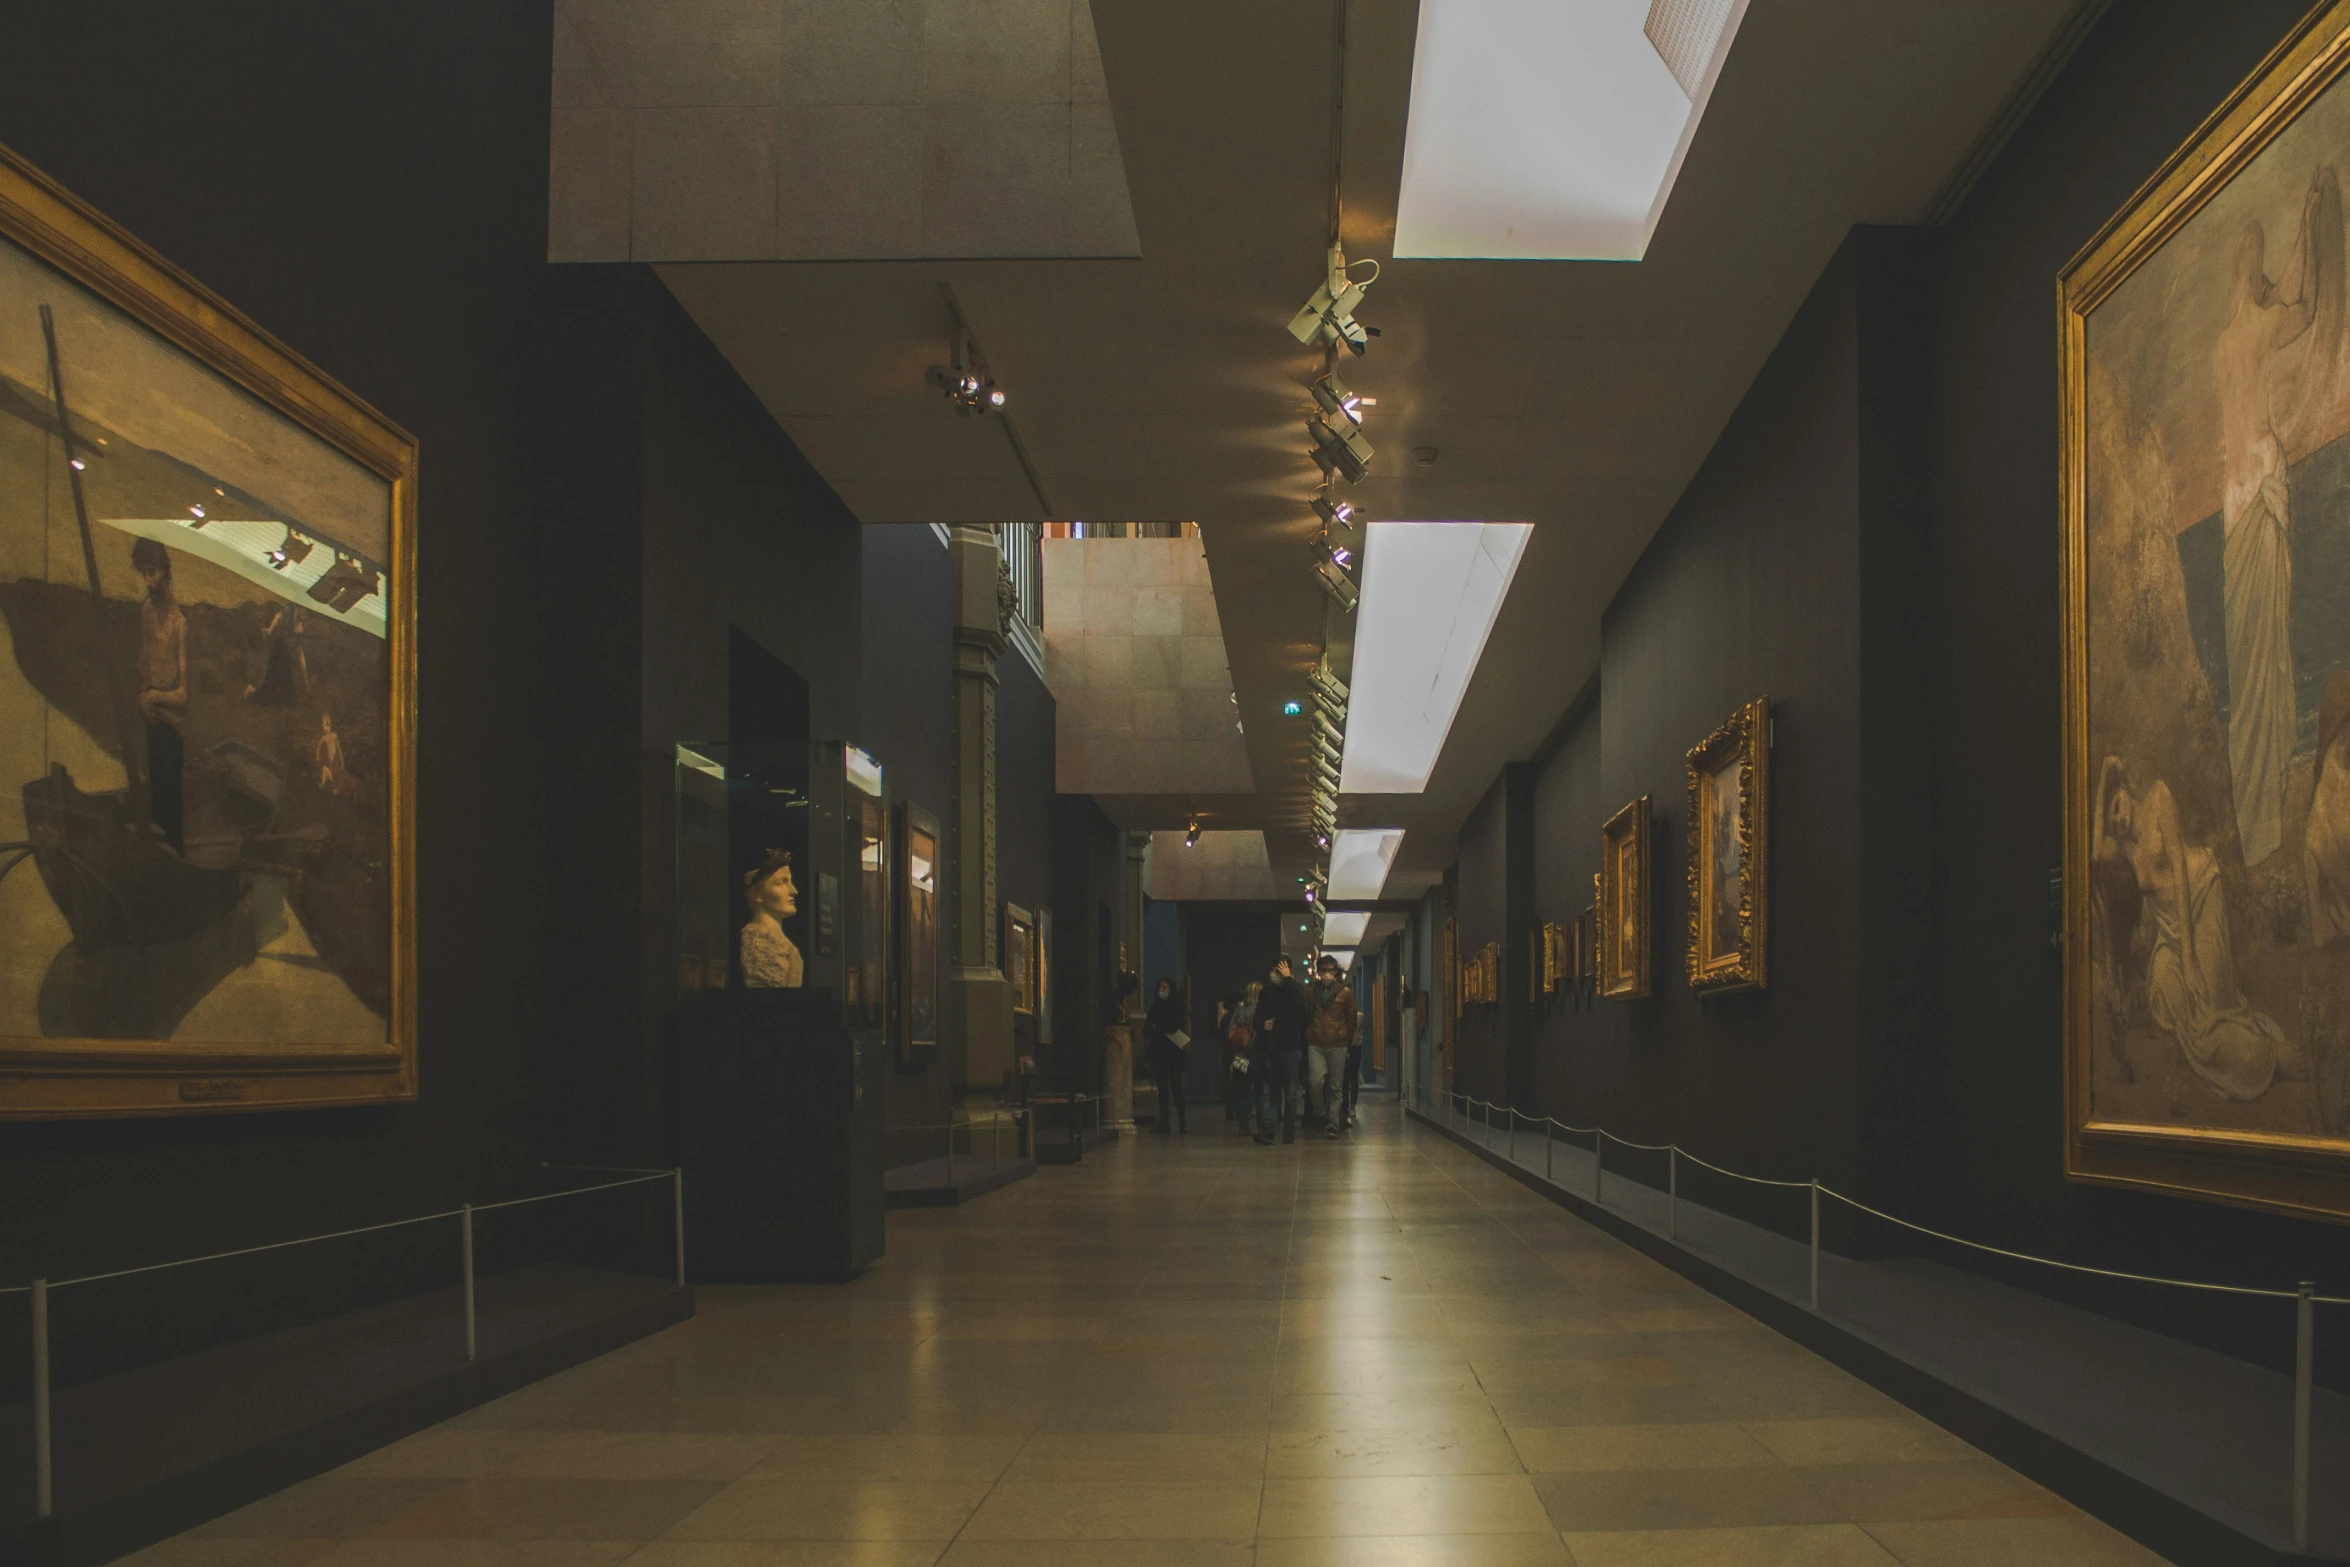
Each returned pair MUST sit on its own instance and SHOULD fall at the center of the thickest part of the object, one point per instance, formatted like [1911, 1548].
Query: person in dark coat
[1281, 1041]
[1166, 1044]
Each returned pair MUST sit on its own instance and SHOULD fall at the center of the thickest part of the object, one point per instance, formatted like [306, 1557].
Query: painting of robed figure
[2207, 453]
[204, 694]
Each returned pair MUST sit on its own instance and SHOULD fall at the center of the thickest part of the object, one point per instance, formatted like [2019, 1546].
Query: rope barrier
[336, 1235]
[1956, 1240]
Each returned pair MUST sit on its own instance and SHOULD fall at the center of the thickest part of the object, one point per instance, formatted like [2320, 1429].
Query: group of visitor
[1290, 1054]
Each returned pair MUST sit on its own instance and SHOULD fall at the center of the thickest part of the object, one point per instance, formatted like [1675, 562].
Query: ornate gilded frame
[2306, 1175]
[60, 1078]
[1624, 900]
[1020, 958]
[1746, 740]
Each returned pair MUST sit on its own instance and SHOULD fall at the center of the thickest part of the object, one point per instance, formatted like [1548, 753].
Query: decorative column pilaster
[979, 641]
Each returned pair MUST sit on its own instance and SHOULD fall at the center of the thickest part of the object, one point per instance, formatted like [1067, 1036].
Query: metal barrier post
[1513, 1134]
[2304, 1359]
[465, 1240]
[41, 1449]
[1815, 1243]
[1598, 1163]
[1673, 1192]
[677, 1218]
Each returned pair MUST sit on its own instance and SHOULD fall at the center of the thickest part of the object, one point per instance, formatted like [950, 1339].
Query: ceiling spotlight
[1191, 834]
[1291, 709]
[965, 381]
[1335, 582]
[1334, 514]
[1328, 317]
[1335, 398]
[1321, 840]
[1343, 450]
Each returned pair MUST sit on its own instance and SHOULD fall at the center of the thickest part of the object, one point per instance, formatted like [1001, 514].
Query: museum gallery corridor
[1199, 1352]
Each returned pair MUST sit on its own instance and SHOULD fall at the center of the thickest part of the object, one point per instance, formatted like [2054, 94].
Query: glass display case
[783, 873]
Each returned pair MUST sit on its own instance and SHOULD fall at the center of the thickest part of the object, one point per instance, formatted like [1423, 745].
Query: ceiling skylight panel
[1359, 860]
[1553, 129]
[1431, 591]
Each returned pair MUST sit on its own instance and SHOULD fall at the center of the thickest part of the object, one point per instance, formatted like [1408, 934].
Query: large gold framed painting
[1729, 853]
[205, 696]
[2206, 386]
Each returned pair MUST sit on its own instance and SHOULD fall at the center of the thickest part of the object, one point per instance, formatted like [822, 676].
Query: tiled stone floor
[1200, 1353]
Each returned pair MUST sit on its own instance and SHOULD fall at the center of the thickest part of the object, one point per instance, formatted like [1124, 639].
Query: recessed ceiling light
[1359, 861]
[1431, 591]
[1344, 930]
[1546, 131]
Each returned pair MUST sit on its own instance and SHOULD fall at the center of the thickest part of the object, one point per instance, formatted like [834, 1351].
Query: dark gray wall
[2135, 92]
[1874, 542]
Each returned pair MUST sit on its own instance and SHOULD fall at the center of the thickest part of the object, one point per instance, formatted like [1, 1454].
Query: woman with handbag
[1240, 1027]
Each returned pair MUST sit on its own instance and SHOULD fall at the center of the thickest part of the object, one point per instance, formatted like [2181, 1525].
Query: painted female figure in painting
[2274, 361]
[2325, 842]
[2191, 989]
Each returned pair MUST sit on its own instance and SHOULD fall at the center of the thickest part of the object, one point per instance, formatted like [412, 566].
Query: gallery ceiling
[1577, 396]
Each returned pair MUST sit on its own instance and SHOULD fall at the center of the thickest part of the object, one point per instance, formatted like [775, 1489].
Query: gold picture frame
[1020, 958]
[1624, 925]
[1729, 853]
[150, 377]
[2203, 1056]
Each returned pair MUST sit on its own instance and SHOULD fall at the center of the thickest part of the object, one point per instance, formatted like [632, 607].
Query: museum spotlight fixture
[966, 381]
[1328, 317]
[1191, 834]
[1337, 398]
[1330, 572]
[1292, 708]
[1344, 451]
[1334, 514]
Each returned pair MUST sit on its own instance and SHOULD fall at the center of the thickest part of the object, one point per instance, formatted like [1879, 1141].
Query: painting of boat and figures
[201, 777]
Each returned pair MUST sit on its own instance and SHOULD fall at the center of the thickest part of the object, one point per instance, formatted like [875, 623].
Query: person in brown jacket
[1330, 1028]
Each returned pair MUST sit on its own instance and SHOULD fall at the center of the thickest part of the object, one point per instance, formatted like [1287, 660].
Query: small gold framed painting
[1729, 863]
[1623, 904]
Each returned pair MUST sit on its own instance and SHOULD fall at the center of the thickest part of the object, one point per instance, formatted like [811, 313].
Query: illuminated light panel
[1542, 131]
[1359, 859]
[1430, 593]
[1344, 930]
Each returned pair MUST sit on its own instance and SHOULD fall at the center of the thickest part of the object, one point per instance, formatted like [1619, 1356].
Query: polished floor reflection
[1195, 1353]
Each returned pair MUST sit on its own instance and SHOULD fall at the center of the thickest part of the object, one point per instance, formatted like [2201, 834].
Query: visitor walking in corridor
[1166, 1044]
[1240, 1038]
[1279, 1059]
[1330, 1029]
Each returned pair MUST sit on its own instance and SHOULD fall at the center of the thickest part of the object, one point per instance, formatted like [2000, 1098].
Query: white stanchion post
[465, 1243]
[1599, 1164]
[42, 1476]
[1815, 1243]
[2304, 1364]
[1673, 1192]
[677, 1218]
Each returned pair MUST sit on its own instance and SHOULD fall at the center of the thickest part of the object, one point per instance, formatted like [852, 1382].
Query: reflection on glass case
[783, 872]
